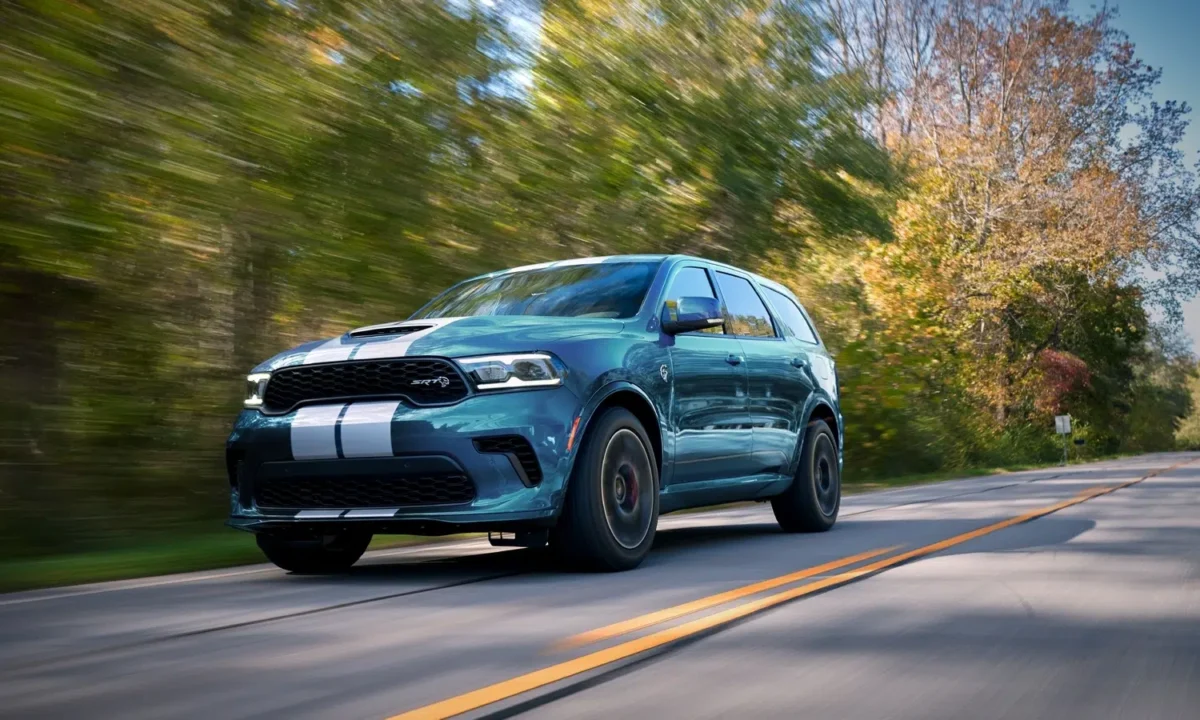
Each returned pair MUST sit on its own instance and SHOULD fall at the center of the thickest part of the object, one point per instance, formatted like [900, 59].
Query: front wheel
[811, 502]
[314, 556]
[611, 509]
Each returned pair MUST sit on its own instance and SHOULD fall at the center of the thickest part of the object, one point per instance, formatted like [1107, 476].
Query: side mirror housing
[688, 314]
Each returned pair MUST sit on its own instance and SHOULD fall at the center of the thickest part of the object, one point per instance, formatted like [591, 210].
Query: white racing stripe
[336, 351]
[313, 432]
[332, 351]
[373, 513]
[367, 429]
[319, 514]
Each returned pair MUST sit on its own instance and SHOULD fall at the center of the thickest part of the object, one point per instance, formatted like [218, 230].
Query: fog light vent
[519, 452]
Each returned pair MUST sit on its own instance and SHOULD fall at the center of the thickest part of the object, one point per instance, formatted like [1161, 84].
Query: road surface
[1059, 593]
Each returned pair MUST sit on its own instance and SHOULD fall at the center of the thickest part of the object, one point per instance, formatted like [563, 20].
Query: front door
[713, 436]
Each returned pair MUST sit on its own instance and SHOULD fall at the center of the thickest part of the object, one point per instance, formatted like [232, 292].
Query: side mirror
[688, 314]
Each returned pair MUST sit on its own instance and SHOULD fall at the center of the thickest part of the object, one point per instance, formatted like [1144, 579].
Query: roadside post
[1062, 425]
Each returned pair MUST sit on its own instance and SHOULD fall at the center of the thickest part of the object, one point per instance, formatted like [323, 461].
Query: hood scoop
[387, 330]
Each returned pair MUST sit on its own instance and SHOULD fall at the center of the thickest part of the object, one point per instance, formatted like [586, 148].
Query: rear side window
[791, 317]
[693, 282]
[747, 314]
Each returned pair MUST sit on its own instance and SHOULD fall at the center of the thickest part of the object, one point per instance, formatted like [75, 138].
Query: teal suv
[569, 404]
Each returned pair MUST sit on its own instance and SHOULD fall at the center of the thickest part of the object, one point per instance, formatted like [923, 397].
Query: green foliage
[1188, 435]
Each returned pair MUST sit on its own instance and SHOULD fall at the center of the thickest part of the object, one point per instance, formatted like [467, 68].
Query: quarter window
[791, 317]
[747, 314]
[693, 282]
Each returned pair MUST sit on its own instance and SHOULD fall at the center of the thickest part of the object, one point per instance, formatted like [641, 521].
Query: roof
[651, 257]
[580, 261]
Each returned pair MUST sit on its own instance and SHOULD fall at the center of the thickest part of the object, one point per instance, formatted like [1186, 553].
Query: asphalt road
[1061, 593]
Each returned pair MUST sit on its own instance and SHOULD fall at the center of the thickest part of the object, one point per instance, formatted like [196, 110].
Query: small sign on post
[1062, 426]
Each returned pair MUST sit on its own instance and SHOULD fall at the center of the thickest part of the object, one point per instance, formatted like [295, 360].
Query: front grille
[515, 447]
[369, 491]
[424, 381]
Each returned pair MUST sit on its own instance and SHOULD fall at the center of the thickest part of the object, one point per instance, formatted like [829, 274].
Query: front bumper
[282, 468]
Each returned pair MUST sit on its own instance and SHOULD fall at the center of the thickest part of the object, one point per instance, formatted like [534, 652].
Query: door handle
[799, 362]
[734, 359]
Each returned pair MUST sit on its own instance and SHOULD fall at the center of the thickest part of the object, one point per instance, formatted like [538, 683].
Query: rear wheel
[811, 502]
[317, 555]
[611, 509]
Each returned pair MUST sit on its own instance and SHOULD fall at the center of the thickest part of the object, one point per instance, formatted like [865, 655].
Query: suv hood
[446, 337]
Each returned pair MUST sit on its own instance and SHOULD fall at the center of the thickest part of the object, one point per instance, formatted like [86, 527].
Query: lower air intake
[370, 491]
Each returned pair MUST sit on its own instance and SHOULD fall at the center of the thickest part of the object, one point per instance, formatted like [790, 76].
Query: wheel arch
[632, 398]
[820, 409]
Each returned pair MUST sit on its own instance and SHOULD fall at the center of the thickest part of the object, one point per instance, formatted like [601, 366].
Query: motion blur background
[980, 202]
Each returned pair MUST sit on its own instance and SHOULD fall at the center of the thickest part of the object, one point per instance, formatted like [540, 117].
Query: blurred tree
[709, 128]
[189, 186]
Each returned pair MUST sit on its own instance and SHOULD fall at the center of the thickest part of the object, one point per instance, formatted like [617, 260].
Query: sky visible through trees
[1162, 31]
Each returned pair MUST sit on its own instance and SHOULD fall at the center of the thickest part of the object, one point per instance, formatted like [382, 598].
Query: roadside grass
[204, 550]
[884, 483]
[223, 547]
[853, 487]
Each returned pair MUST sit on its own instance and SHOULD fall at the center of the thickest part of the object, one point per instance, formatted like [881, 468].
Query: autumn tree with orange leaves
[1044, 183]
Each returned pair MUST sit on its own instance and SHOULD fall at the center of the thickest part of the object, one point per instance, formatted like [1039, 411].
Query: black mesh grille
[371, 491]
[517, 446]
[425, 381]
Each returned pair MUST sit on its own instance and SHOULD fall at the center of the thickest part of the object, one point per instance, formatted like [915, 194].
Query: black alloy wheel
[611, 509]
[811, 502]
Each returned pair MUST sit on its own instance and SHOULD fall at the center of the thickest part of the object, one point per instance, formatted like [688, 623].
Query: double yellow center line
[661, 616]
[513, 687]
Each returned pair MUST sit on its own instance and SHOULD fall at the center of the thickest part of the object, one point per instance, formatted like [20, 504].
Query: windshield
[600, 290]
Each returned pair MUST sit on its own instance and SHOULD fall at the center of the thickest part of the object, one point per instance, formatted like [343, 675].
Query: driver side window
[693, 282]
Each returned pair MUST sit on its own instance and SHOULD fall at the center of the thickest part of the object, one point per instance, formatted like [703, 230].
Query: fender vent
[520, 453]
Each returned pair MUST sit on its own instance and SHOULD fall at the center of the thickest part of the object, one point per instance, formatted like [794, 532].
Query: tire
[811, 502]
[611, 509]
[321, 555]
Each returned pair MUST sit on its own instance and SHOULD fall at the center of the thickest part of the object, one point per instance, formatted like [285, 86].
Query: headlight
[504, 372]
[256, 388]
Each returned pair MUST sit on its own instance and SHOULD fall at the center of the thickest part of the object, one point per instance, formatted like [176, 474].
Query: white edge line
[139, 586]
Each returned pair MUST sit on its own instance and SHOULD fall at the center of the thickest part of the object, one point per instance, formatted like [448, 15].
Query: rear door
[713, 439]
[778, 386]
